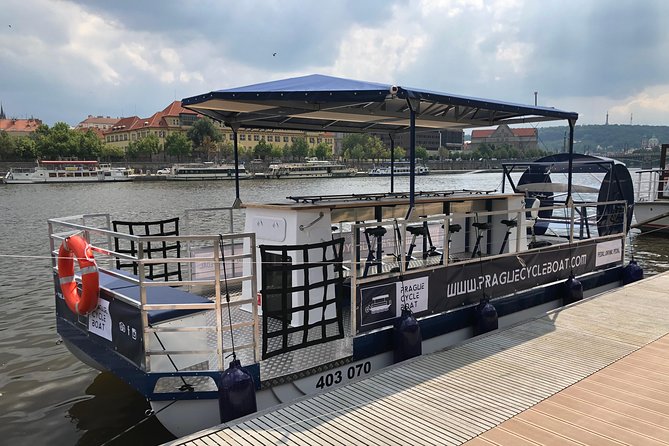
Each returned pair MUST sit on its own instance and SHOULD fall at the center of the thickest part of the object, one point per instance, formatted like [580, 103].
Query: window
[319, 140]
[242, 137]
[311, 140]
[270, 138]
[256, 137]
[285, 139]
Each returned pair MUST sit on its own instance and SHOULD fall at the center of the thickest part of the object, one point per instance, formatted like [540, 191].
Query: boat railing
[185, 323]
[201, 221]
[395, 246]
[651, 184]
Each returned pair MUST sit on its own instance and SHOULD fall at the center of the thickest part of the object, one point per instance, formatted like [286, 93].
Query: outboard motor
[486, 317]
[236, 393]
[573, 290]
[408, 338]
[632, 272]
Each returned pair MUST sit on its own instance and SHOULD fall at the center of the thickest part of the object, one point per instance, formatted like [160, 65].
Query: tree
[356, 153]
[144, 147]
[226, 149]
[203, 134]
[56, 142]
[110, 152]
[7, 146]
[353, 140]
[262, 150]
[89, 144]
[277, 152]
[299, 148]
[177, 144]
[25, 148]
[400, 153]
[322, 151]
[287, 152]
[375, 148]
[421, 153]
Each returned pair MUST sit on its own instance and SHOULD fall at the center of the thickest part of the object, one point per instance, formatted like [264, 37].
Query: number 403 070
[354, 371]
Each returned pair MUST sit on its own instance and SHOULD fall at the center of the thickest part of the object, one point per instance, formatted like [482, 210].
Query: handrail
[60, 228]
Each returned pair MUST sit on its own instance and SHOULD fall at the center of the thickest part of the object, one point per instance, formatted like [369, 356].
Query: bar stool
[480, 227]
[424, 232]
[374, 249]
[452, 229]
[509, 225]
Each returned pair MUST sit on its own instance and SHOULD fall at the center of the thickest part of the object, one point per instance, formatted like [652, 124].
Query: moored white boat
[206, 171]
[307, 293]
[399, 168]
[311, 168]
[651, 207]
[69, 171]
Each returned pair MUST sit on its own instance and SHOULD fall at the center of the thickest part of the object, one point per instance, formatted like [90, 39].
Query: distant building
[99, 122]
[432, 140]
[20, 127]
[175, 118]
[521, 139]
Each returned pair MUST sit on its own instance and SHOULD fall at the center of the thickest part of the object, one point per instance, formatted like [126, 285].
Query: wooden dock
[593, 373]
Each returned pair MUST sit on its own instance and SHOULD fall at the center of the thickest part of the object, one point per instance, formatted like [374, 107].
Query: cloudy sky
[64, 60]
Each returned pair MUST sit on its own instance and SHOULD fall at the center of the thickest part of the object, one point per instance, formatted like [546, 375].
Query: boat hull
[188, 413]
[647, 213]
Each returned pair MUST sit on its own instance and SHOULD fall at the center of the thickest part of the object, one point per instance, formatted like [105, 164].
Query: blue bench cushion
[154, 295]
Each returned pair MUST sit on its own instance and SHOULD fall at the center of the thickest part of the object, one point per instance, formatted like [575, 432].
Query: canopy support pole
[572, 122]
[238, 202]
[412, 158]
[392, 163]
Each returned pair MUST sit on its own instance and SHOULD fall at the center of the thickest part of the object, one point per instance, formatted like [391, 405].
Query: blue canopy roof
[325, 103]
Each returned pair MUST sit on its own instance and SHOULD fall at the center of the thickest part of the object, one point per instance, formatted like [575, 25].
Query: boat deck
[596, 372]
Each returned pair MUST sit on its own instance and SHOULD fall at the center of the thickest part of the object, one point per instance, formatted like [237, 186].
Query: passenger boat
[206, 171]
[312, 292]
[311, 168]
[398, 169]
[651, 208]
[70, 171]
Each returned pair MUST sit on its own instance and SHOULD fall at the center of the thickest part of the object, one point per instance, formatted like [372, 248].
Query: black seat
[480, 228]
[509, 225]
[151, 250]
[424, 232]
[452, 229]
[417, 230]
[374, 249]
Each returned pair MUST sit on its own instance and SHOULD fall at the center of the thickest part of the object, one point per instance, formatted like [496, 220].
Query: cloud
[76, 58]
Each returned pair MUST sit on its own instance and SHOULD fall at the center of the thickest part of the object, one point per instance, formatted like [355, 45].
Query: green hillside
[612, 138]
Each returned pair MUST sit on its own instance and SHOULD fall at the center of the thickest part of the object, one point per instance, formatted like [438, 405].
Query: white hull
[65, 180]
[66, 172]
[312, 175]
[400, 171]
[646, 211]
[204, 177]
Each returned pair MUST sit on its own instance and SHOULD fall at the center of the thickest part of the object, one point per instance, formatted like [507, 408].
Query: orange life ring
[77, 247]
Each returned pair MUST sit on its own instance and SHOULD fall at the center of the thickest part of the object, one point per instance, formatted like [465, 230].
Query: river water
[46, 395]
